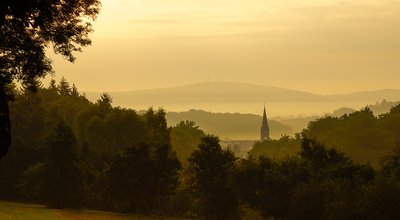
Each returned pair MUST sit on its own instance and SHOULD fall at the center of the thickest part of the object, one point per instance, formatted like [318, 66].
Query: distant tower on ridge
[264, 127]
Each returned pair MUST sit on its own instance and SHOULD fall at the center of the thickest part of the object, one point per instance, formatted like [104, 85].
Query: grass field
[23, 211]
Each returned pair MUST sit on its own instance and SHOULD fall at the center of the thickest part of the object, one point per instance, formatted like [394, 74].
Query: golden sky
[319, 46]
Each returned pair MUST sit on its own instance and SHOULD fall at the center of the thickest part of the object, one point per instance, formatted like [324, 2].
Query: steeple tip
[264, 127]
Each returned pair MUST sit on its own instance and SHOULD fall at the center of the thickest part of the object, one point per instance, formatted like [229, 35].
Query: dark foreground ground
[25, 211]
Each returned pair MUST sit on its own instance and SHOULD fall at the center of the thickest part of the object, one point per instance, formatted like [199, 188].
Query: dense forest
[360, 134]
[68, 152]
[298, 123]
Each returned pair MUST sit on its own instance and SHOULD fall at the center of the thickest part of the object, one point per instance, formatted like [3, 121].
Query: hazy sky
[320, 46]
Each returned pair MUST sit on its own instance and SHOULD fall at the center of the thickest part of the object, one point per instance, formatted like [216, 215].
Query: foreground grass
[23, 211]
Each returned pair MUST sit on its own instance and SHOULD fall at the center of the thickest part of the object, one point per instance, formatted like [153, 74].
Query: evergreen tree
[53, 85]
[74, 91]
[105, 99]
[156, 126]
[63, 87]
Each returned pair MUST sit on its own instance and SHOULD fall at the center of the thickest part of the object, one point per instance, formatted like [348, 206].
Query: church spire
[264, 127]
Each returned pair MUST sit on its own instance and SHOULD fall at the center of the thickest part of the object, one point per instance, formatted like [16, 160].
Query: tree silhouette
[105, 101]
[141, 178]
[63, 87]
[62, 182]
[210, 170]
[185, 137]
[58, 180]
[27, 28]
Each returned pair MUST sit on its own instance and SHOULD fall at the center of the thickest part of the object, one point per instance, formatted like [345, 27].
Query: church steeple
[264, 127]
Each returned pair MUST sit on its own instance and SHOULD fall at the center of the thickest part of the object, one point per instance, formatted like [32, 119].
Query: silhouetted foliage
[383, 194]
[391, 122]
[62, 178]
[281, 148]
[63, 87]
[209, 167]
[27, 28]
[262, 186]
[381, 200]
[101, 132]
[105, 101]
[57, 181]
[382, 107]
[317, 183]
[360, 134]
[141, 178]
[111, 158]
[185, 137]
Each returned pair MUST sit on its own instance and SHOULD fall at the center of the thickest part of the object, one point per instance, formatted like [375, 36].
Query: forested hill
[378, 108]
[229, 125]
[247, 126]
[298, 123]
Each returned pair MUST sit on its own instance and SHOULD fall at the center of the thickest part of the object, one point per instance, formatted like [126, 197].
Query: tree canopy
[27, 28]
[115, 159]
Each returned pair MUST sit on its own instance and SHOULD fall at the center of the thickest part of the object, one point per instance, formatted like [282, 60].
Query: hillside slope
[227, 125]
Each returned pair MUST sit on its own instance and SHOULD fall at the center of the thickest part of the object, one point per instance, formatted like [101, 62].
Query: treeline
[300, 122]
[68, 152]
[277, 148]
[361, 135]
[317, 183]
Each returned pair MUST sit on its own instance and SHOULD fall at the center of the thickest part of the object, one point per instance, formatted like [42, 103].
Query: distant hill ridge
[244, 98]
[212, 92]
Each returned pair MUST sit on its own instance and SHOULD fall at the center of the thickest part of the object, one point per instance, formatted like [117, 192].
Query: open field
[23, 211]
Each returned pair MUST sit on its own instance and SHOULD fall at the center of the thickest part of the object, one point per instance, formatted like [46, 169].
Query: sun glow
[158, 43]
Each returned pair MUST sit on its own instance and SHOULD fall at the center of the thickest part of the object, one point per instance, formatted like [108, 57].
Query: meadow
[25, 211]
